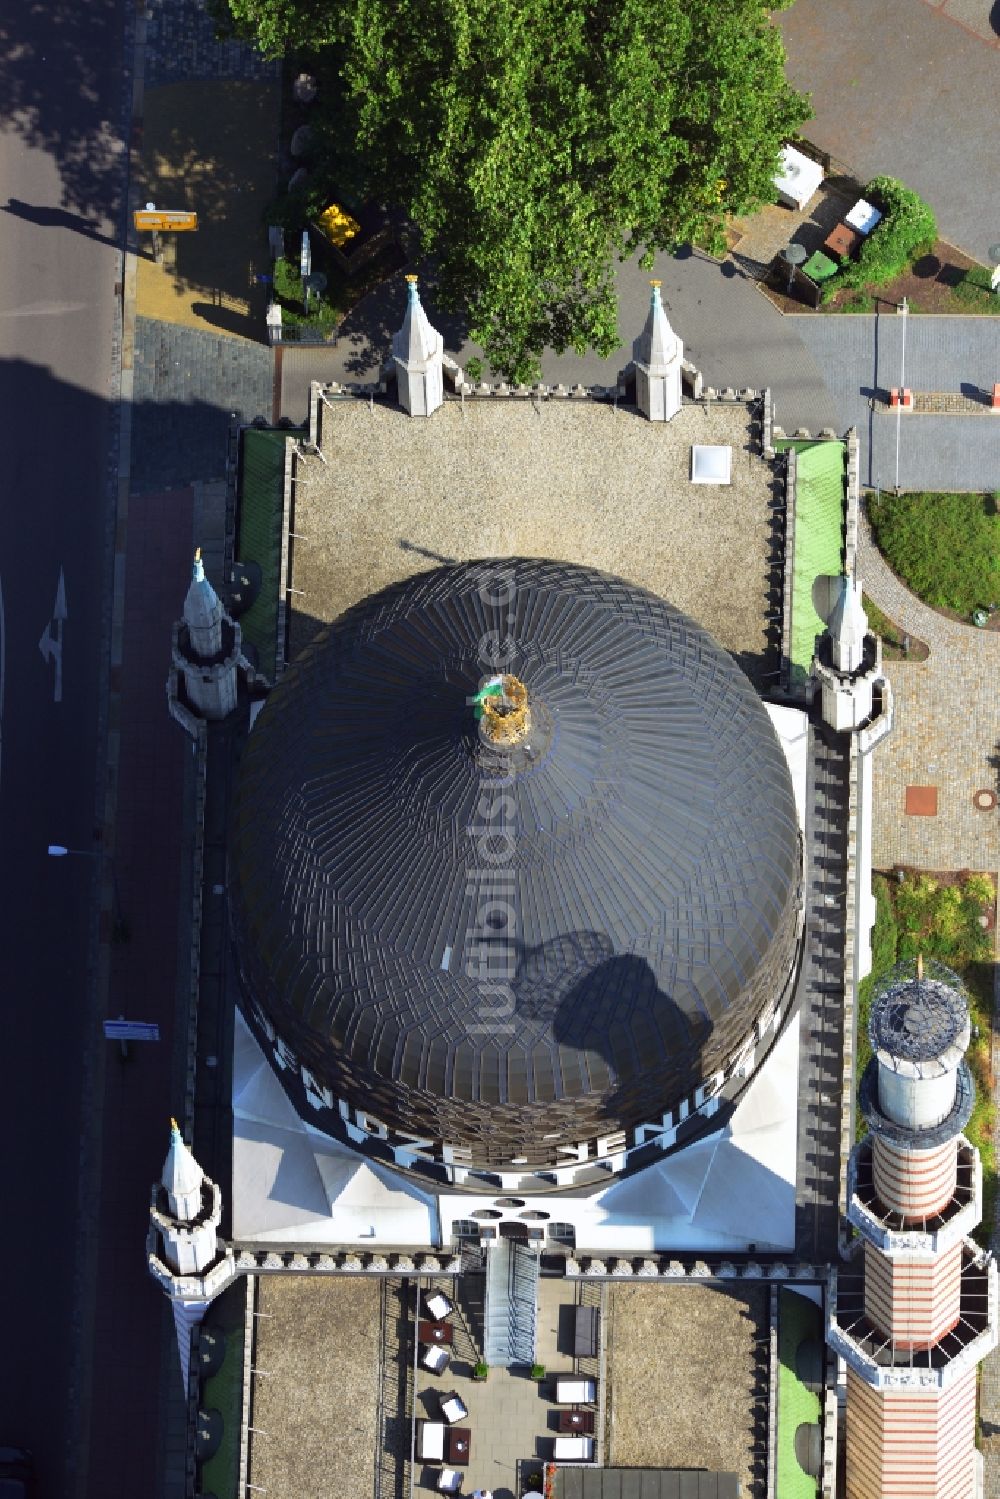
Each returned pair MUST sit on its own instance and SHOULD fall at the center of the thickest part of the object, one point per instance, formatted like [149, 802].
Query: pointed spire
[418, 354]
[416, 341]
[657, 344]
[848, 626]
[181, 1177]
[203, 612]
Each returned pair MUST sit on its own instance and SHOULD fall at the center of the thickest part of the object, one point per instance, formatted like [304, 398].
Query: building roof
[657, 344]
[641, 907]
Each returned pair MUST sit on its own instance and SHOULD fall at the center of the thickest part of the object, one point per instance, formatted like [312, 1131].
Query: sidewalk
[947, 722]
[180, 386]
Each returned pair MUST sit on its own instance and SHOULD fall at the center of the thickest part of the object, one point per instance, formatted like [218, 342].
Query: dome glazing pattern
[511, 948]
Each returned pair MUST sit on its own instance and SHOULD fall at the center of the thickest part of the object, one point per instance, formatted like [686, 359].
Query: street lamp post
[903, 309]
[60, 851]
[793, 255]
[995, 278]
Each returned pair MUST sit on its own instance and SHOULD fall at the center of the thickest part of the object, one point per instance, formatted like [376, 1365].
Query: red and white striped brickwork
[911, 1444]
[915, 1301]
[915, 1183]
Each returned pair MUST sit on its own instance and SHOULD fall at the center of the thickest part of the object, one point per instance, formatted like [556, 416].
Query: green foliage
[975, 293]
[481, 1371]
[946, 547]
[942, 921]
[906, 231]
[288, 290]
[276, 27]
[538, 1371]
[531, 142]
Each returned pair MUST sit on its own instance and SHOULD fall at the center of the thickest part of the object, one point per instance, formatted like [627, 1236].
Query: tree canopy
[534, 142]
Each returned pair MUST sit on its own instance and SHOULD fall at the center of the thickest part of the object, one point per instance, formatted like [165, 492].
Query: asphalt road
[61, 101]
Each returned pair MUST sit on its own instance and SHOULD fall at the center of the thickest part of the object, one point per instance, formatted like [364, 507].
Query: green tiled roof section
[259, 539]
[799, 1321]
[819, 541]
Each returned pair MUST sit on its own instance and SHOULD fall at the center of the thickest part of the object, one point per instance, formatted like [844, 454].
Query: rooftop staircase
[511, 1303]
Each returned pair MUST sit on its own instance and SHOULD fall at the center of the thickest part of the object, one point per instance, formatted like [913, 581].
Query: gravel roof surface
[681, 1373]
[572, 481]
[319, 1344]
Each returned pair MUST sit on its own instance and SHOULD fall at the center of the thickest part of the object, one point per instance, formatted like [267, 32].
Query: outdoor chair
[430, 1441]
[449, 1481]
[438, 1305]
[453, 1409]
[435, 1359]
[573, 1391]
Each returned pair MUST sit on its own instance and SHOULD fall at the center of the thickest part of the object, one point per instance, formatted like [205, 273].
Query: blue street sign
[131, 1030]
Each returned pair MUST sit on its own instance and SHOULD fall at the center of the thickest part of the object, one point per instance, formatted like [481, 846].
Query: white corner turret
[203, 613]
[184, 1215]
[207, 656]
[418, 352]
[181, 1178]
[657, 355]
[848, 626]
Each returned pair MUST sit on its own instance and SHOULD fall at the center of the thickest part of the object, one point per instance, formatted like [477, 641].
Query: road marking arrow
[51, 643]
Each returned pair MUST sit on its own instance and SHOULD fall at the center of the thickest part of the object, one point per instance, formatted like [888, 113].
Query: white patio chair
[449, 1481]
[435, 1359]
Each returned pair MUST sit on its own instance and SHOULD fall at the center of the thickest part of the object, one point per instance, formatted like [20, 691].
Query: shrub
[946, 547]
[906, 230]
[975, 292]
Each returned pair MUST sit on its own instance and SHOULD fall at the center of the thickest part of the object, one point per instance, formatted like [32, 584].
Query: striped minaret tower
[920, 1314]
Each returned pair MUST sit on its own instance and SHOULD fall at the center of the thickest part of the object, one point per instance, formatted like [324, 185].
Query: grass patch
[259, 533]
[799, 1321]
[974, 293]
[224, 1392]
[906, 230]
[323, 313]
[819, 532]
[896, 644]
[939, 917]
[945, 547]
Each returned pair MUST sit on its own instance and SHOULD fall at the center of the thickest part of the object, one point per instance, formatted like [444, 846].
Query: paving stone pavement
[862, 355]
[181, 46]
[901, 89]
[946, 731]
[187, 386]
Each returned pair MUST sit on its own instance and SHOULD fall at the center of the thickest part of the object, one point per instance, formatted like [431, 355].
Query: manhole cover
[921, 801]
[984, 801]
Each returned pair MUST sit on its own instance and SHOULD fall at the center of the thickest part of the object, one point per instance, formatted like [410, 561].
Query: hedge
[906, 230]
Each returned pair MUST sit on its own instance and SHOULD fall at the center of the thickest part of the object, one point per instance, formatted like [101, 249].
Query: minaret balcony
[893, 1234]
[874, 1357]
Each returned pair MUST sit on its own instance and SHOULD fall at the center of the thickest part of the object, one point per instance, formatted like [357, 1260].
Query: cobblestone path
[946, 732]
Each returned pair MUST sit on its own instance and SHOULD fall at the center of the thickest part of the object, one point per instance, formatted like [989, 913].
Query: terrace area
[579, 481]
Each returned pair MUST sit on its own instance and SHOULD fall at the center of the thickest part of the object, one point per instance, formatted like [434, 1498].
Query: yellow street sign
[171, 223]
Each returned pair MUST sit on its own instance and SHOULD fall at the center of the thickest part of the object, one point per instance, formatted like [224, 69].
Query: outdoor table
[458, 1445]
[863, 216]
[842, 241]
[435, 1332]
[572, 1421]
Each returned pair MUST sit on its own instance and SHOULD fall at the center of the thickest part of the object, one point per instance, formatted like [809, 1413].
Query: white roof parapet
[181, 1176]
[657, 345]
